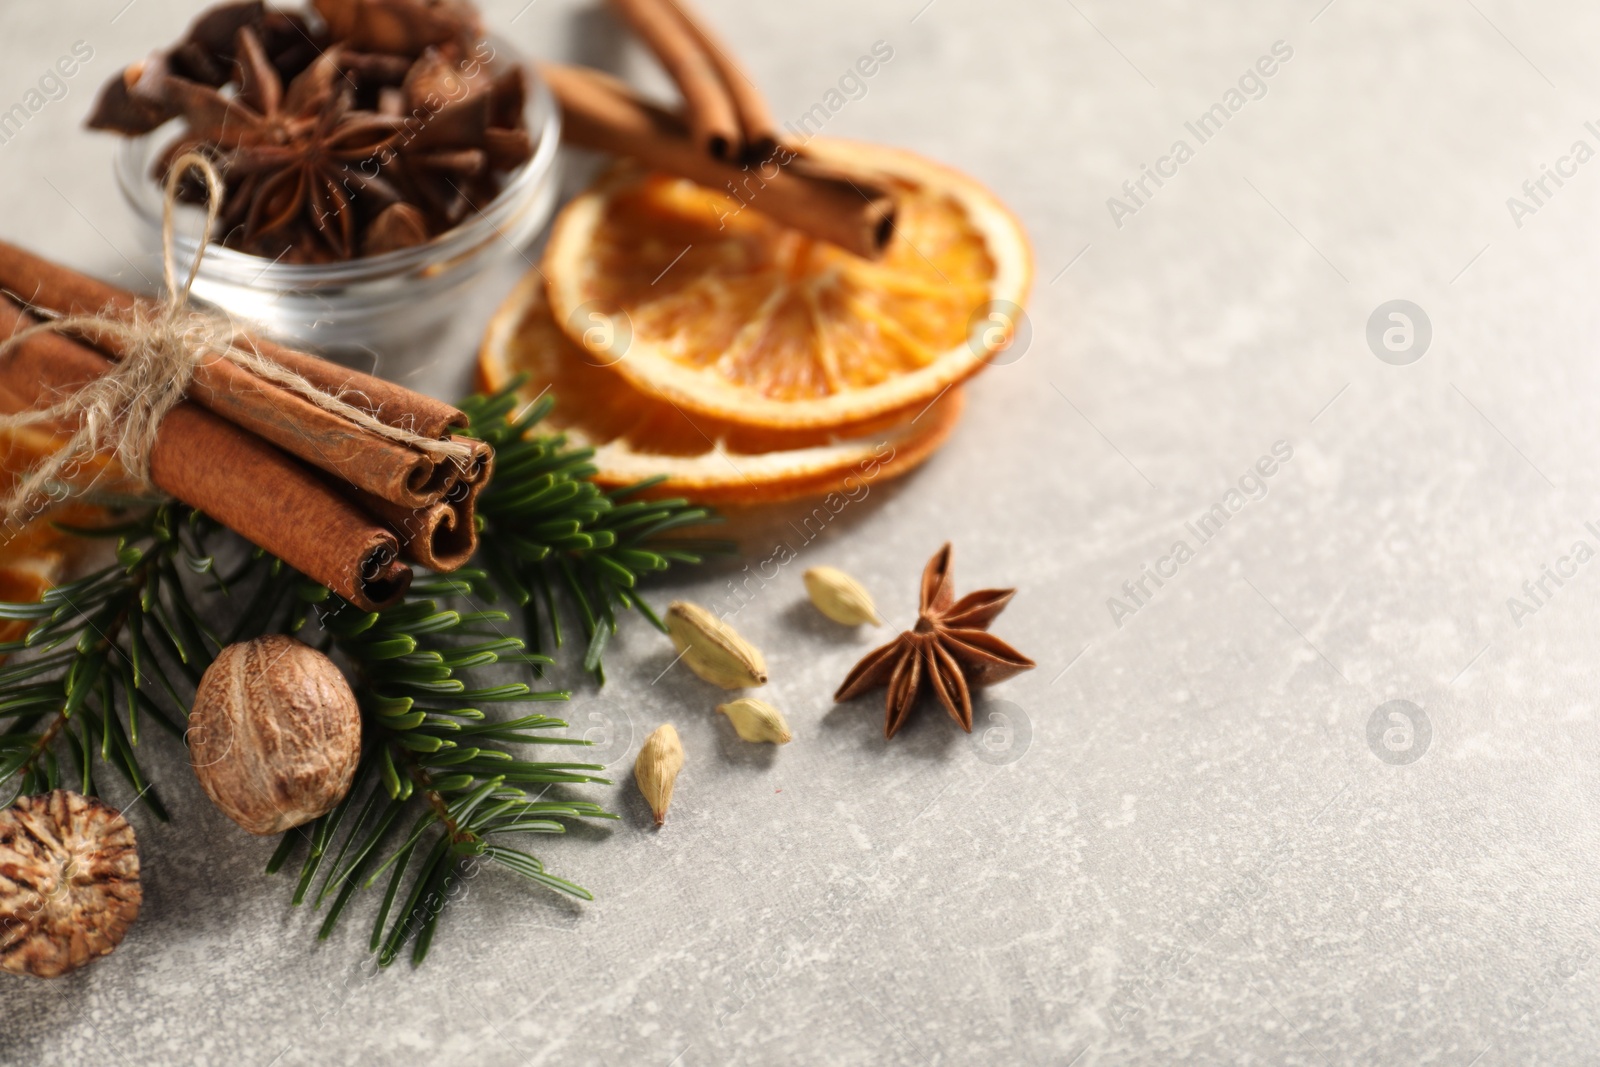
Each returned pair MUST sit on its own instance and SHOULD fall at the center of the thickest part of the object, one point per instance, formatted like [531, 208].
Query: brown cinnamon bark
[756, 122]
[444, 536]
[441, 537]
[602, 113]
[321, 438]
[713, 118]
[481, 465]
[389, 403]
[265, 496]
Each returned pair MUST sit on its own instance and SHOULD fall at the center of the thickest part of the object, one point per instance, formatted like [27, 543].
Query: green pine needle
[441, 786]
[547, 529]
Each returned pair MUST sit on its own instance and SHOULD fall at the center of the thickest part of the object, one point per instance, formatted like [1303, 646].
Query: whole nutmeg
[275, 734]
[69, 883]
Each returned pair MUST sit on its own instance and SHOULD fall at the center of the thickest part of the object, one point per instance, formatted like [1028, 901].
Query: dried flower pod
[275, 733]
[69, 883]
[713, 649]
[840, 597]
[756, 720]
[656, 768]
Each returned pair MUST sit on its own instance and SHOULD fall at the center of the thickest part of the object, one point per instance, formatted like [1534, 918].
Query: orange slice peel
[730, 316]
[637, 436]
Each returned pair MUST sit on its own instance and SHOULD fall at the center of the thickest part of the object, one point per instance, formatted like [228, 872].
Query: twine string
[119, 413]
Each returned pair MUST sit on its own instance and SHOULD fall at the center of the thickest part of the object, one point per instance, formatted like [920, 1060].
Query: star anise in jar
[469, 131]
[949, 650]
[137, 100]
[355, 129]
[207, 55]
[297, 158]
[400, 27]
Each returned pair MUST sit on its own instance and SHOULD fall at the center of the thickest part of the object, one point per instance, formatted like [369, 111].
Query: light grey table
[1200, 831]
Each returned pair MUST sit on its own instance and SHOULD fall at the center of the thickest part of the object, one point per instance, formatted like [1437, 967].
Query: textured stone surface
[1198, 857]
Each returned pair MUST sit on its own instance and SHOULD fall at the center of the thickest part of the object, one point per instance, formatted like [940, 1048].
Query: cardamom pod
[712, 649]
[756, 720]
[656, 768]
[840, 597]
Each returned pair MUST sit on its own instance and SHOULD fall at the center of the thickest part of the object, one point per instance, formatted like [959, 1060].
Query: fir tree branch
[92, 637]
[545, 527]
[432, 751]
[440, 785]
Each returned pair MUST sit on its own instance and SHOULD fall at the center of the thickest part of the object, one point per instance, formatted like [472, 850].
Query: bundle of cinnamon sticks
[335, 501]
[726, 139]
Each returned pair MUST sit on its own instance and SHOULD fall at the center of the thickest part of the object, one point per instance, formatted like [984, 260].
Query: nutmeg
[69, 883]
[275, 734]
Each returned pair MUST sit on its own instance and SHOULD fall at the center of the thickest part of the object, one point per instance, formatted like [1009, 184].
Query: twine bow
[120, 412]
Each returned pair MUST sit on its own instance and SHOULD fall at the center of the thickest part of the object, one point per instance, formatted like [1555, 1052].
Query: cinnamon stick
[238, 479]
[443, 536]
[602, 113]
[386, 401]
[321, 438]
[756, 121]
[713, 120]
[481, 465]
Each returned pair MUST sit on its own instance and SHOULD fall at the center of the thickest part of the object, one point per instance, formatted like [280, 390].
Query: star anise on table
[950, 650]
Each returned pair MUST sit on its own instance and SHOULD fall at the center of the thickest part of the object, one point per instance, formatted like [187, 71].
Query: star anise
[293, 156]
[403, 27]
[207, 54]
[359, 128]
[314, 162]
[137, 100]
[473, 132]
[950, 649]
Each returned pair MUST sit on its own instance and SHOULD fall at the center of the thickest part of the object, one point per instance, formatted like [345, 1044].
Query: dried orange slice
[636, 436]
[25, 577]
[730, 315]
[35, 556]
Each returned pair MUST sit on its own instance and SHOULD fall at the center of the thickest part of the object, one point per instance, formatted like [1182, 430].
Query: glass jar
[376, 302]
